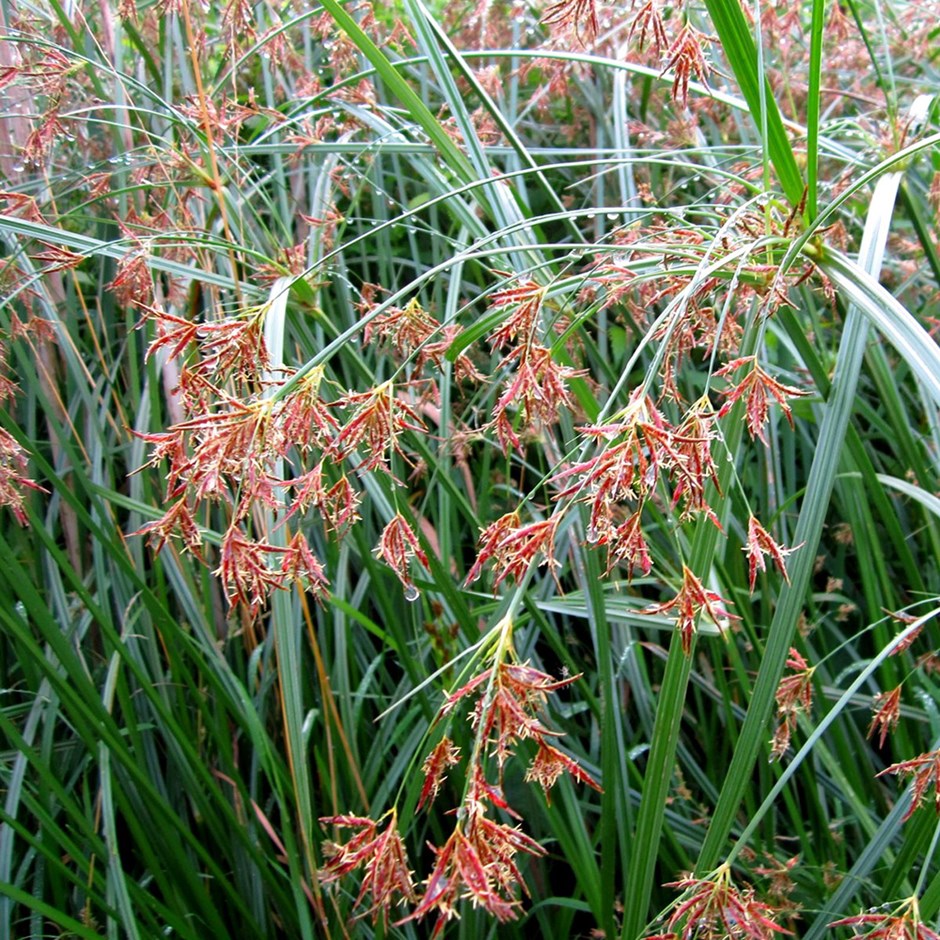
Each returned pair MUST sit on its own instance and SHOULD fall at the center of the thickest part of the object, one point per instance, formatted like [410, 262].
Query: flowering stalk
[477, 862]
[715, 907]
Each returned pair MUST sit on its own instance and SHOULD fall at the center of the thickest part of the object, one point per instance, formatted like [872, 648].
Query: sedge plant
[469, 470]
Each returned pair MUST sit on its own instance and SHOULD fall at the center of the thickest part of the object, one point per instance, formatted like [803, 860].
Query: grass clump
[469, 470]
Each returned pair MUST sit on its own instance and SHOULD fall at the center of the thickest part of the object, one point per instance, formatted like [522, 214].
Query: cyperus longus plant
[455, 484]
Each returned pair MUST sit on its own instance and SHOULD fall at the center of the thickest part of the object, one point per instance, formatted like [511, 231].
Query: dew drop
[411, 593]
[592, 535]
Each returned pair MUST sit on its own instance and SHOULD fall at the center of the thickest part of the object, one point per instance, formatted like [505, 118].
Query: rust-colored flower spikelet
[906, 619]
[692, 602]
[755, 387]
[19, 204]
[886, 712]
[436, 351]
[511, 697]
[550, 763]
[536, 385]
[301, 566]
[337, 503]
[611, 282]
[794, 695]
[290, 261]
[536, 389]
[925, 773]
[929, 662]
[686, 58]
[693, 466]
[490, 539]
[234, 346]
[305, 419]
[174, 333]
[507, 709]
[398, 547]
[177, 522]
[889, 923]
[780, 874]
[694, 326]
[58, 258]
[444, 755]
[512, 713]
[523, 301]
[232, 451]
[46, 74]
[378, 418]
[577, 15]
[40, 141]
[759, 544]
[386, 877]
[796, 690]
[414, 334]
[13, 479]
[244, 569]
[627, 546]
[513, 547]
[405, 329]
[648, 27]
[476, 863]
[636, 449]
[715, 907]
[238, 23]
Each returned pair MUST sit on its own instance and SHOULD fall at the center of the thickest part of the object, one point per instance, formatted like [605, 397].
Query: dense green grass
[407, 292]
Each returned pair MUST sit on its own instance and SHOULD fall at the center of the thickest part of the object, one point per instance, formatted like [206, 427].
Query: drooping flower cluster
[692, 602]
[386, 878]
[535, 386]
[648, 26]
[901, 922]
[229, 449]
[15, 482]
[754, 388]
[886, 712]
[759, 544]
[478, 861]
[924, 771]
[715, 908]
[794, 697]
[639, 450]
[513, 547]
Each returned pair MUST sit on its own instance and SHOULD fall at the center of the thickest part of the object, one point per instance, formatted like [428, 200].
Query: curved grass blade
[822, 475]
